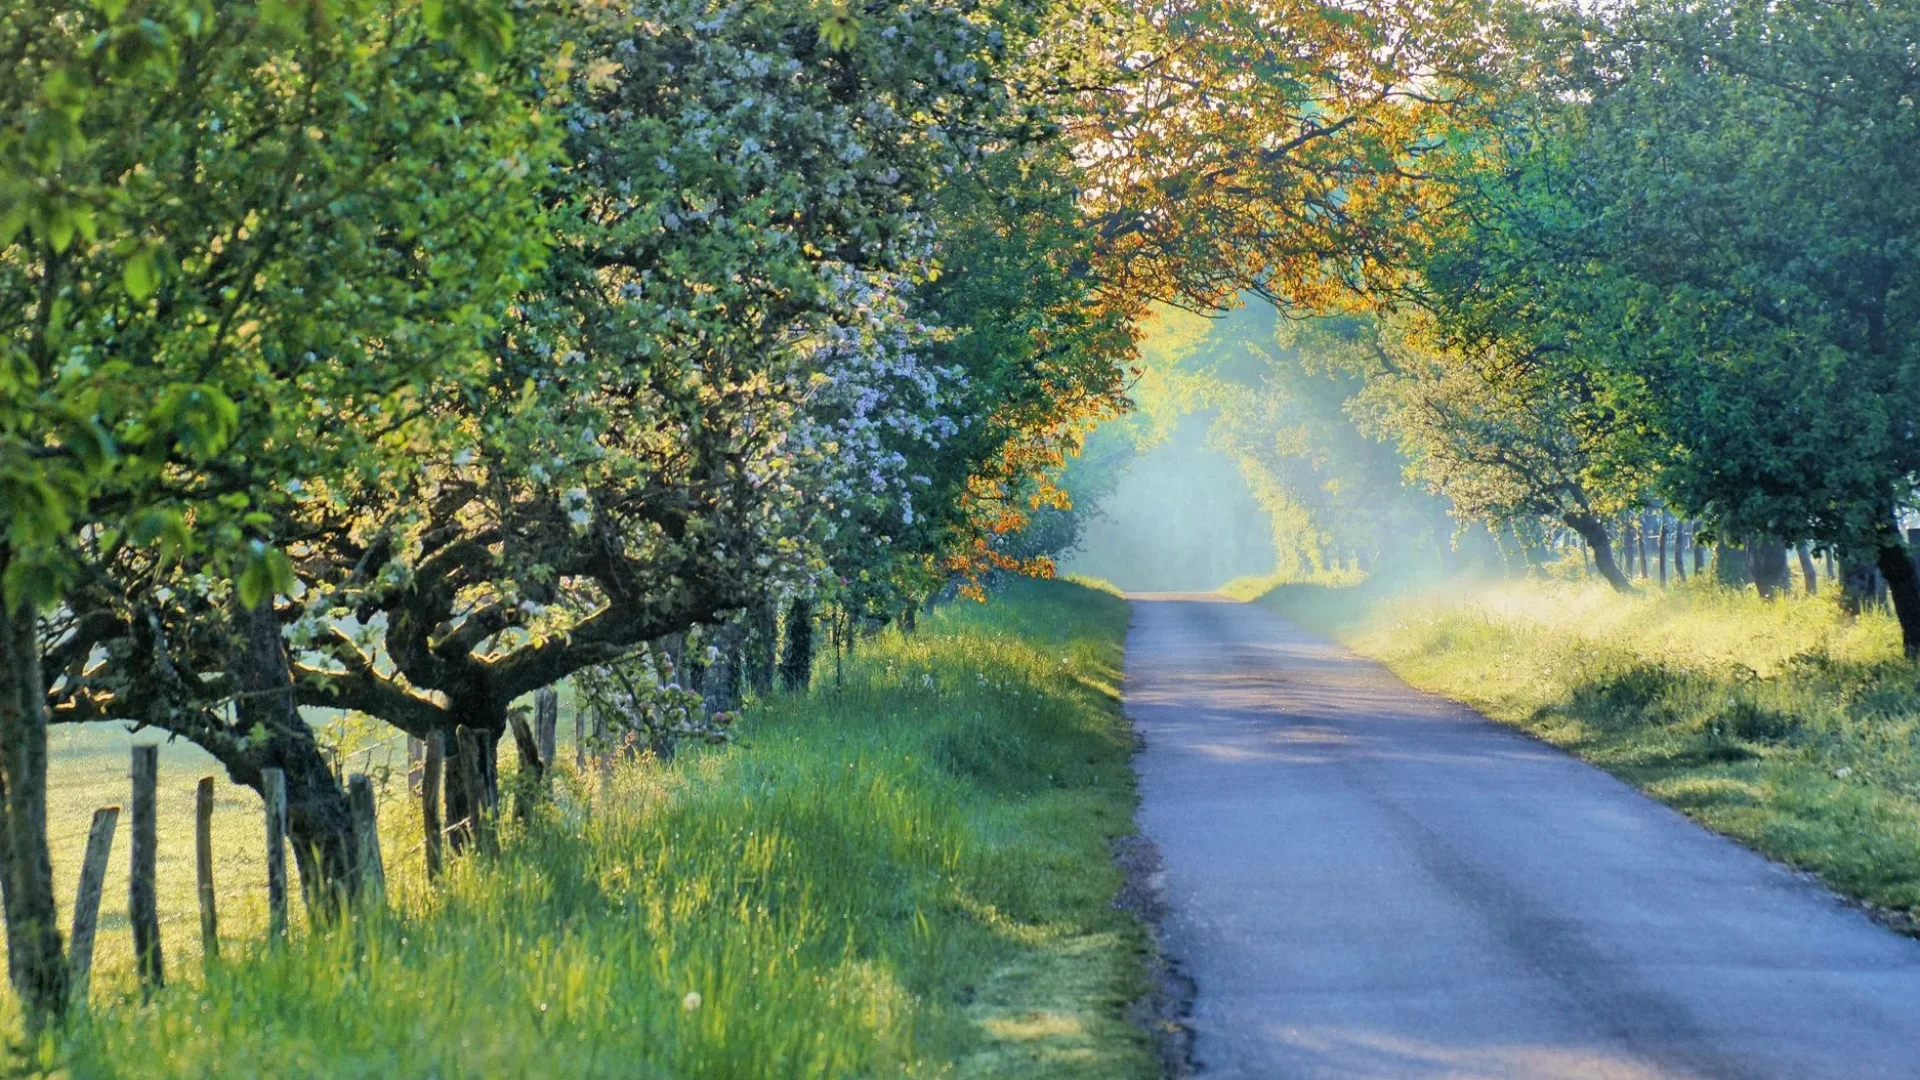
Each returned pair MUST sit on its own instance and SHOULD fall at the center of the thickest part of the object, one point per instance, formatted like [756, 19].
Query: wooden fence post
[546, 725]
[273, 789]
[86, 900]
[203, 869]
[430, 784]
[366, 838]
[603, 746]
[143, 903]
[416, 762]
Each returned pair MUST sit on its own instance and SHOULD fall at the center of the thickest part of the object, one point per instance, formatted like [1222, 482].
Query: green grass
[909, 875]
[1786, 725]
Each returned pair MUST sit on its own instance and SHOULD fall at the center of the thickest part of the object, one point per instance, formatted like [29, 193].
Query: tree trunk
[796, 665]
[1808, 574]
[671, 662]
[1660, 546]
[546, 726]
[319, 819]
[1768, 556]
[1680, 549]
[1699, 553]
[1640, 544]
[488, 722]
[1903, 587]
[720, 685]
[35, 962]
[1859, 582]
[1594, 532]
[763, 638]
[1732, 568]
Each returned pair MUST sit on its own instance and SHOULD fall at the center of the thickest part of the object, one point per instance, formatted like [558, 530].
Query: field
[909, 874]
[1786, 724]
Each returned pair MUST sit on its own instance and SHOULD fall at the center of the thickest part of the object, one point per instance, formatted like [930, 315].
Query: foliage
[1294, 398]
[1272, 146]
[1679, 222]
[233, 268]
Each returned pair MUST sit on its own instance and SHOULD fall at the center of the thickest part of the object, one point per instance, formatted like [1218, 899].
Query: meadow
[909, 873]
[1785, 724]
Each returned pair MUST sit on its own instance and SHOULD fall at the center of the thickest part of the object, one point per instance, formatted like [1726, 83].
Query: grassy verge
[1785, 724]
[908, 875]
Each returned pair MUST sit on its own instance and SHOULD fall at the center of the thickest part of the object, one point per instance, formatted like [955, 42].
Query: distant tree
[1288, 414]
[1712, 202]
[1506, 429]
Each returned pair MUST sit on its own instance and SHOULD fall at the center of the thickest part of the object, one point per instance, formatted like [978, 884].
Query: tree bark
[1808, 574]
[35, 963]
[466, 803]
[1660, 546]
[1903, 587]
[1768, 556]
[1594, 532]
[319, 819]
[1680, 549]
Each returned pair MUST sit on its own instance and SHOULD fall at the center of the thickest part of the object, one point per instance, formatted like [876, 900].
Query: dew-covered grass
[907, 875]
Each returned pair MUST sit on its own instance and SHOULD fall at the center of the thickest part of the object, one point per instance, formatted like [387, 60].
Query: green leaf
[31, 584]
[140, 275]
[268, 572]
[60, 229]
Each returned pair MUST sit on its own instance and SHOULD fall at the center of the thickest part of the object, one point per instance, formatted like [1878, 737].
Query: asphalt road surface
[1367, 881]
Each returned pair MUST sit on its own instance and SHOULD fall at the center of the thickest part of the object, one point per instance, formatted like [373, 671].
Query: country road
[1366, 881]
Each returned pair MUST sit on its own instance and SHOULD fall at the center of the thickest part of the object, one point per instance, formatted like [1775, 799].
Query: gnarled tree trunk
[319, 819]
[1594, 532]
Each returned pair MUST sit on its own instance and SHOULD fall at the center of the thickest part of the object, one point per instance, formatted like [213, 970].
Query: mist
[1180, 519]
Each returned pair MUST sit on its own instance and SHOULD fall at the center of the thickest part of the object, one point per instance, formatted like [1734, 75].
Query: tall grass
[1785, 724]
[905, 875]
